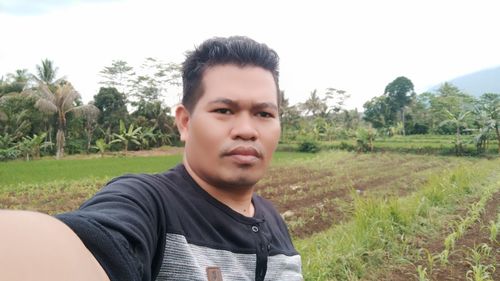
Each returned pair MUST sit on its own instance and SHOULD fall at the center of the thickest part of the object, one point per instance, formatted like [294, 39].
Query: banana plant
[459, 120]
[101, 146]
[127, 135]
[30, 146]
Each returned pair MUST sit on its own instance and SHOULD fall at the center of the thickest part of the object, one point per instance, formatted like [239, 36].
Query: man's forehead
[238, 83]
[229, 71]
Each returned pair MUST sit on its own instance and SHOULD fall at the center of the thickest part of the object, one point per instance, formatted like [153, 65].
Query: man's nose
[244, 128]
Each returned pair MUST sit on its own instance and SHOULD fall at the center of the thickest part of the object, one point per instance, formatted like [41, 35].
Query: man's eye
[265, 114]
[223, 111]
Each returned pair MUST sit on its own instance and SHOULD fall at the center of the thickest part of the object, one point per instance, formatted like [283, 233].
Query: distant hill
[477, 83]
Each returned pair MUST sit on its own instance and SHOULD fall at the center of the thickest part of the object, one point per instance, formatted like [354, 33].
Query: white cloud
[358, 46]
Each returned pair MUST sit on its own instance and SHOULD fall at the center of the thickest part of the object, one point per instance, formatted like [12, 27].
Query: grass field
[375, 216]
[48, 170]
[416, 144]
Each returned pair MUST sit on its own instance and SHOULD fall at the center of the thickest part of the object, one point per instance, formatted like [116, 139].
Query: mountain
[477, 83]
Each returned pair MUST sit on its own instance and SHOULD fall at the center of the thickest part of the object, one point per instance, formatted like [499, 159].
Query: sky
[358, 46]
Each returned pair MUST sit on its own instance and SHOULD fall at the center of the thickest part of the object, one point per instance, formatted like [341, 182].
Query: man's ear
[182, 121]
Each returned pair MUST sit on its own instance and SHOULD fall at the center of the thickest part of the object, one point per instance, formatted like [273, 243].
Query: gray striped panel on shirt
[184, 261]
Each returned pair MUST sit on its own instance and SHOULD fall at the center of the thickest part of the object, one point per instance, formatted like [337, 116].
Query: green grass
[288, 158]
[56, 186]
[381, 228]
[47, 170]
[418, 144]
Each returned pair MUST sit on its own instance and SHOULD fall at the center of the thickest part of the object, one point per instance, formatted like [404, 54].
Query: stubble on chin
[241, 178]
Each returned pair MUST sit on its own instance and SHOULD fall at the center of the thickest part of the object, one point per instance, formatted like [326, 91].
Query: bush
[308, 145]
[9, 154]
[346, 146]
[75, 146]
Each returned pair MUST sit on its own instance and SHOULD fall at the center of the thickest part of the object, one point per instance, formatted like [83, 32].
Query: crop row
[384, 231]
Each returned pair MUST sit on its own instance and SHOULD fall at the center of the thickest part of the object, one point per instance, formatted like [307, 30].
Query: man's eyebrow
[232, 103]
[264, 105]
[225, 101]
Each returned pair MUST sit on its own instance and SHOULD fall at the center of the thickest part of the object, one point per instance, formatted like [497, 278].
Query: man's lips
[246, 151]
[244, 154]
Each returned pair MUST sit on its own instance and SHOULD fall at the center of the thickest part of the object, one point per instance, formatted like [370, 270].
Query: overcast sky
[356, 46]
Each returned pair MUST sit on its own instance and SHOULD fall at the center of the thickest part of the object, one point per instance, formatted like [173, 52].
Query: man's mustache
[243, 149]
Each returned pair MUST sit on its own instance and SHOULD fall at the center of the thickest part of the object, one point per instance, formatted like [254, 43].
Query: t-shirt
[166, 227]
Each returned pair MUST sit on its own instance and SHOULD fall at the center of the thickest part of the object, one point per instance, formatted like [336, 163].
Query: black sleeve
[124, 227]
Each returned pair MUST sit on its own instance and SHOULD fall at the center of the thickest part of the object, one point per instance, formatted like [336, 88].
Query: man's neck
[239, 200]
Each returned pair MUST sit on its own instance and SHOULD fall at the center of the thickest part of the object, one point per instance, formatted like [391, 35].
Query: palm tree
[314, 105]
[18, 80]
[61, 100]
[90, 116]
[46, 72]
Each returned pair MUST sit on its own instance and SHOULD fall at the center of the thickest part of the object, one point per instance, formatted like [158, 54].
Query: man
[199, 221]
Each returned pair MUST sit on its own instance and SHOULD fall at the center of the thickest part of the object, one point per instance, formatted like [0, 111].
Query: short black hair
[238, 50]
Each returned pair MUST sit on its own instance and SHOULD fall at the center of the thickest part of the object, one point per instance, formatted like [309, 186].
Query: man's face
[233, 130]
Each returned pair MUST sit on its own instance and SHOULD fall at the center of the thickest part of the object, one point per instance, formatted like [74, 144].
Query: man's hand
[35, 246]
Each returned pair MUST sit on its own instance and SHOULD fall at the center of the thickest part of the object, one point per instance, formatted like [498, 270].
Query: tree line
[42, 113]
[447, 111]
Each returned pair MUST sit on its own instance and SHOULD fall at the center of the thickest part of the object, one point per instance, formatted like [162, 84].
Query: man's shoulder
[164, 186]
[170, 178]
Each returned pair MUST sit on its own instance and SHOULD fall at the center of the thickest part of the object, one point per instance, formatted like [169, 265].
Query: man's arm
[35, 246]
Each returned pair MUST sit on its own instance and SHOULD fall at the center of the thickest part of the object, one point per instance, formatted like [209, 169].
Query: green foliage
[76, 146]
[309, 145]
[365, 139]
[102, 146]
[479, 271]
[422, 273]
[417, 144]
[494, 229]
[117, 75]
[7, 141]
[152, 79]
[159, 125]
[321, 117]
[113, 107]
[9, 153]
[346, 146]
[458, 121]
[15, 82]
[59, 99]
[399, 94]
[487, 113]
[46, 72]
[399, 91]
[30, 146]
[20, 117]
[378, 112]
[126, 136]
